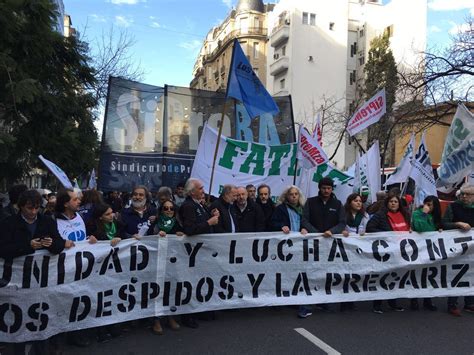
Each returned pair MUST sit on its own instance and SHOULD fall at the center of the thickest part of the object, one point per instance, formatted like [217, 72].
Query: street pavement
[272, 331]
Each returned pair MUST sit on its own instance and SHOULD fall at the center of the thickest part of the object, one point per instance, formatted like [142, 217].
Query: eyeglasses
[166, 208]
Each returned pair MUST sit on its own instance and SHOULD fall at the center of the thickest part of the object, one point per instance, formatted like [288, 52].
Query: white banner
[57, 171]
[369, 113]
[367, 172]
[457, 160]
[242, 163]
[93, 285]
[310, 153]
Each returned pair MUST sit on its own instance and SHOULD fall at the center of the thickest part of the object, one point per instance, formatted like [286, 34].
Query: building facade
[248, 23]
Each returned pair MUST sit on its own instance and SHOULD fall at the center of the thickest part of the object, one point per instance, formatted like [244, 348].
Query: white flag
[422, 173]
[369, 113]
[58, 172]
[400, 175]
[367, 171]
[310, 153]
[92, 182]
[457, 160]
[318, 130]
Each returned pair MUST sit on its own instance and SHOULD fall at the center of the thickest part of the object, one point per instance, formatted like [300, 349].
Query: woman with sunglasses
[165, 223]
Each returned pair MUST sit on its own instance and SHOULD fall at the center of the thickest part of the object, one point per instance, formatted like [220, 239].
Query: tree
[381, 72]
[44, 107]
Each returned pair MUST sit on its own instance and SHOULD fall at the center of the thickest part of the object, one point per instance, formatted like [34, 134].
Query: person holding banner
[393, 217]
[460, 215]
[288, 216]
[70, 224]
[264, 200]
[427, 218]
[227, 212]
[250, 216]
[356, 217]
[103, 226]
[139, 216]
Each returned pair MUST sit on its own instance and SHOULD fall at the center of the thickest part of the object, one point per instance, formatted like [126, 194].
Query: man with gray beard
[140, 214]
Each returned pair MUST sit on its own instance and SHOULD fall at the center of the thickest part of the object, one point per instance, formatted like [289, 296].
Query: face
[74, 202]
[252, 192]
[52, 199]
[292, 196]
[180, 191]
[163, 198]
[430, 205]
[108, 216]
[139, 195]
[356, 204]
[393, 204]
[242, 196]
[198, 192]
[168, 209]
[30, 211]
[467, 196]
[325, 191]
[264, 194]
[231, 196]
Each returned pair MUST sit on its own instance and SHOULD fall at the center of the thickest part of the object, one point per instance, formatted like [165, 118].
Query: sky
[169, 33]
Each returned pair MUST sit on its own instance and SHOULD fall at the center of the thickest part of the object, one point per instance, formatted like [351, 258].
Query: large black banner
[151, 133]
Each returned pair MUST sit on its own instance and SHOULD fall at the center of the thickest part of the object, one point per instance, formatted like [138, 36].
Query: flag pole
[219, 134]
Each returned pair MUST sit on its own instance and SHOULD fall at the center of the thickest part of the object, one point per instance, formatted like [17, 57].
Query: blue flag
[244, 85]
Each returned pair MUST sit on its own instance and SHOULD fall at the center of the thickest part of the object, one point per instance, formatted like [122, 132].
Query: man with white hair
[460, 215]
[227, 212]
[250, 217]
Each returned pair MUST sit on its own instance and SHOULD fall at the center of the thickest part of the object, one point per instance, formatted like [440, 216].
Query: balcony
[280, 65]
[280, 35]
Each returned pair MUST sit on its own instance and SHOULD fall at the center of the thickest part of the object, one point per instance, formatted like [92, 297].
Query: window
[362, 60]
[309, 19]
[331, 26]
[283, 50]
[256, 22]
[255, 50]
[361, 33]
[389, 30]
[353, 49]
[282, 84]
[305, 18]
[352, 77]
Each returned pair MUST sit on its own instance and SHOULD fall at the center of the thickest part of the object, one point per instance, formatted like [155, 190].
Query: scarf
[355, 222]
[110, 230]
[397, 221]
[165, 223]
[296, 208]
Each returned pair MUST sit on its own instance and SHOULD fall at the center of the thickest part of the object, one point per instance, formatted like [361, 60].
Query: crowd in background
[56, 221]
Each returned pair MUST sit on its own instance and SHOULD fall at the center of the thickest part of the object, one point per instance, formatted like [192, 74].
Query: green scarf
[110, 230]
[165, 223]
[356, 221]
[297, 208]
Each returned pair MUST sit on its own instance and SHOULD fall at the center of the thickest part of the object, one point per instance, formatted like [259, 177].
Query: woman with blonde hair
[288, 215]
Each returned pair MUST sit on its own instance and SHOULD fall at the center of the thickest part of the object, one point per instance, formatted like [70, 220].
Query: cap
[364, 191]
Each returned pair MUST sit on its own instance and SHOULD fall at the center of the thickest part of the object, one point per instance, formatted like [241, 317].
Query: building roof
[250, 5]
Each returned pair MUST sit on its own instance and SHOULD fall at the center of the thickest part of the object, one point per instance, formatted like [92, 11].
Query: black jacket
[281, 218]
[226, 210]
[15, 238]
[251, 219]
[194, 218]
[92, 229]
[458, 212]
[267, 209]
[325, 216]
[379, 222]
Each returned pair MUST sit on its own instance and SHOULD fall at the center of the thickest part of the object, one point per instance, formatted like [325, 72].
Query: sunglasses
[166, 208]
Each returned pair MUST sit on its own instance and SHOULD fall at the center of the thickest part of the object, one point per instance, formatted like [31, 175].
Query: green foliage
[381, 71]
[45, 107]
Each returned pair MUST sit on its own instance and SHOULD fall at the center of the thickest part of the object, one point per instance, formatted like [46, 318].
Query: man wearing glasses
[460, 215]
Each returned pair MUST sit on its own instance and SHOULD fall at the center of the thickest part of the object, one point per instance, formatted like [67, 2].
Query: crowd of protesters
[57, 221]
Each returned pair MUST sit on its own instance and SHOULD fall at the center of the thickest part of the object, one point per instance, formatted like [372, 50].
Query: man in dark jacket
[12, 207]
[460, 215]
[250, 216]
[28, 231]
[227, 212]
[325, 212]
[195, 219]
[140, 214]
[264, 200]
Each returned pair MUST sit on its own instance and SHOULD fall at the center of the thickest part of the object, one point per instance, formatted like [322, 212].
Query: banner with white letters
[94, 285]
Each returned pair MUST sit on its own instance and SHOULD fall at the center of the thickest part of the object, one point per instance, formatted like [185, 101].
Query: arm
[374, 224]
[190, 225]
[58, 243]
[341, 225]
[260, 219]
[447, 219]
[11, 245]
[279, 220]
[305, 218]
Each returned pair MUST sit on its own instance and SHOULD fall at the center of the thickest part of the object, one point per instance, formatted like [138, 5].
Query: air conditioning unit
[276, 56]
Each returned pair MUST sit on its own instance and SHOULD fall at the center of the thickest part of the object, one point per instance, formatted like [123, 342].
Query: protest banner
[242, 163]
[400, 175]
[367, 172]
[318, 130]
[94, 285]
[369, 113]
[310, 153]
[57, 171]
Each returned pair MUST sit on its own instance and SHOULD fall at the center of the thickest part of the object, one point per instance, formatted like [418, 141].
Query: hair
[401, 207]
[144, 188]
[249, 186]
[262, 186]
[466, 187]
[91, 196]
[381, 195]
[165, 190]
[189, 186]
[326, 181]
[51, 194]
[180, 184]
[15, 192]
[347, 206]
[29, 196]
[436, 210]
[284, 195]
[62, 198]
[226, 189]
[394, 191]
[97, 213]
[175, 208]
